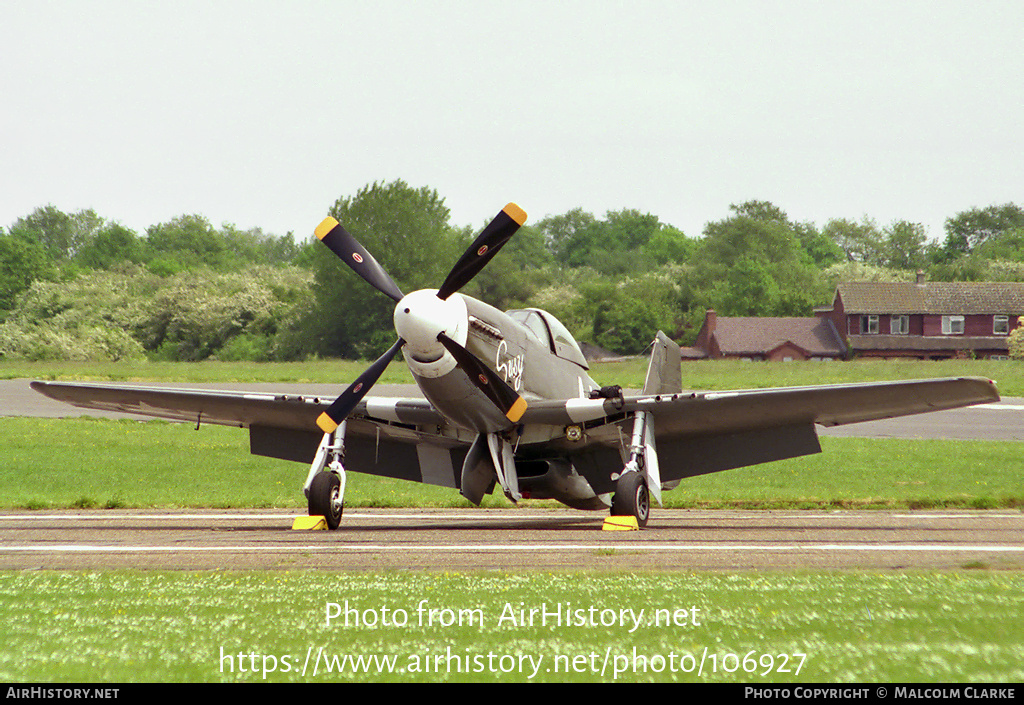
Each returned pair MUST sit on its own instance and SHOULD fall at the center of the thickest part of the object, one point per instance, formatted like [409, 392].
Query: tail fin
[664, 375]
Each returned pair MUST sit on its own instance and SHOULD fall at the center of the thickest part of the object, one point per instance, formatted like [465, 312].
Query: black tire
[632, 498]
[324, 498]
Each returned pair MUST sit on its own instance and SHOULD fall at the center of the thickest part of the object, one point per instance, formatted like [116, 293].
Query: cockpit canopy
[550, 331]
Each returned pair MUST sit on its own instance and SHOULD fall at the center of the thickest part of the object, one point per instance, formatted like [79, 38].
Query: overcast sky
[262, 113]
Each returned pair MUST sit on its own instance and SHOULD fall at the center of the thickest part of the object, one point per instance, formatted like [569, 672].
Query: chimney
[711, 320]
[707, 331]
[920, 277]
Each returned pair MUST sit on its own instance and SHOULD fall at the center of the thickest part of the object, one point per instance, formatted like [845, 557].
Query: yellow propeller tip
[327, 225]
[515, 213]
[326, 423]
[515, 412]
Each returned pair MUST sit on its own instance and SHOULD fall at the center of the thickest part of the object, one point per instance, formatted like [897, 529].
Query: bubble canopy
[551, 332]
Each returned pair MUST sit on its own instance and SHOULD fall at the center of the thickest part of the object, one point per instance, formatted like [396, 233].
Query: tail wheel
[325, 498]
[632, 498]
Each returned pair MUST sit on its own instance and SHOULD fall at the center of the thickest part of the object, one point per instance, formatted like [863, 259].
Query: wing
[698, 433]
[828, 405]
[402, 438]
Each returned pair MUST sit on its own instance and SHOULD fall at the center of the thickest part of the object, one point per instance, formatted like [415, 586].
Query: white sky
[262, 113]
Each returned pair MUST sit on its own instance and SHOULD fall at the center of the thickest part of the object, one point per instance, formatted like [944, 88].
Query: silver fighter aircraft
[508, 402]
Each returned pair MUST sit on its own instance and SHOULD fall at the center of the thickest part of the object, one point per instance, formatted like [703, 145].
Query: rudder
[664, 373]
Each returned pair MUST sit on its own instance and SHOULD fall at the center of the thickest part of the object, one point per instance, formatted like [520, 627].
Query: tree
[971, 228]
[187, 240]
[628, 229]
[61, 234]
[1016, 340]
[769, 239]
[749, 290]
[627, 314]
[754, 263]
[861, 242]
[564, 233]
[905, 246]
[626, 241]
[669, 245]
[1007, 245]
[821, 250]
[764, 211]
[114, 243]
[23, 260]
[253, 246]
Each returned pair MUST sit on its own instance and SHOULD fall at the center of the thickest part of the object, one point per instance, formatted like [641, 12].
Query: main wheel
[632, 498]
[325, 498]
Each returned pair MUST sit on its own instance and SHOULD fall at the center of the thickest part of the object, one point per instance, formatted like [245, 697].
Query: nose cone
[421, 316]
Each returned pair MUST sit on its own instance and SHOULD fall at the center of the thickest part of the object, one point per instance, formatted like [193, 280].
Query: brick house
[780, 339]
[926, 320]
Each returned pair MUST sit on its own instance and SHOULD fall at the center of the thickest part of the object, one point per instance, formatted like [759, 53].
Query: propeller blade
[486, 380]
[343, 244]
[329, 420]
[486, 245]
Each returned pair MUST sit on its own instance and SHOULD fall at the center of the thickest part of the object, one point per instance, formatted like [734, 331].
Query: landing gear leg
[641, 475]
[325, 484]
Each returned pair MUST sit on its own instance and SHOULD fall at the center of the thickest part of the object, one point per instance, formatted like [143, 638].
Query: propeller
[487, 243]
[337, 412]
[438, 317]
[487, 380]
[342, 243]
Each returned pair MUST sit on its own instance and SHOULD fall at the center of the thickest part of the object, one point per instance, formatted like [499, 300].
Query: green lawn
[719, 374]
[122, 626]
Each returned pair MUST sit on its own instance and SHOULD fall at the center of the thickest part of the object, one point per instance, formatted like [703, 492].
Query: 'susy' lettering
[511, 368]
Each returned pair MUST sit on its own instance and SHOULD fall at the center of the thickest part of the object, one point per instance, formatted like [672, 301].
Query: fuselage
[529, 349]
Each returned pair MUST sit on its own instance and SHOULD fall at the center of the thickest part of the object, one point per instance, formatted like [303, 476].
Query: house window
[952, 325]
[869, 324]
[899, 325]
[1001, 325]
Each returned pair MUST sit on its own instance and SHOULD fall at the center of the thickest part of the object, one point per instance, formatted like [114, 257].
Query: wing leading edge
[828, 405]
[241, 409]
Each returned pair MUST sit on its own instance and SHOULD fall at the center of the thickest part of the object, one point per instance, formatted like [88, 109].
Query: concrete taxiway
[512, 539]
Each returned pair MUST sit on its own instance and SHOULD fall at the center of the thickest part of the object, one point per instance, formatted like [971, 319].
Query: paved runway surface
[512, 539]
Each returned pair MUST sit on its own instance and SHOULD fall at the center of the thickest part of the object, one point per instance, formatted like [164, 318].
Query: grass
[312, 371]
[123, 627]
[98, 463]
[716, 375]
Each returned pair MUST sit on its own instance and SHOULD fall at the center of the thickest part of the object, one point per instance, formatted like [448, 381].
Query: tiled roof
[740, 336]
[933, 297]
